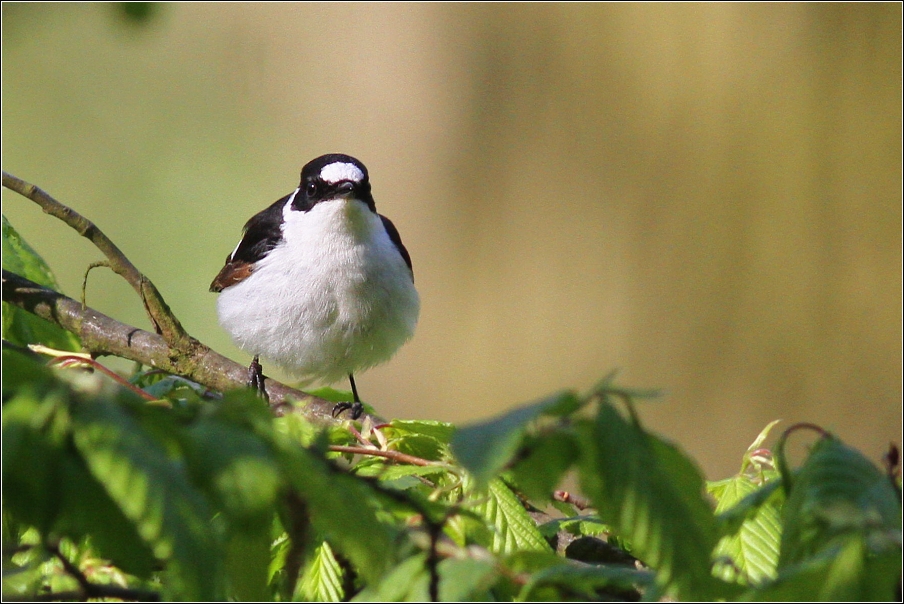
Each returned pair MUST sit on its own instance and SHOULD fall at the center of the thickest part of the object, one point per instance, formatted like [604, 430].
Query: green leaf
[465, 580]
[323, 577]
[87, 510]
[332, 395]
[844, 572]
[407, 582]
[441, 431]
[21, 369]
[46, 483]
[236, 469]
[153, 490]
[486, 448]
[576, 525]
[35, 429]
[420, 445]
[548, 457]
[591, 582]
[753, 548]
[836, 492]
[513, 529]
[19, 326]
[247, 558]
[761, 438]
[389, 473]
[606, 388]
[732, 519]
[341, 507]
[652, 494]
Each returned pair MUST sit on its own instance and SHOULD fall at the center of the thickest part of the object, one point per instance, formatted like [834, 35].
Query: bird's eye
[311, 190]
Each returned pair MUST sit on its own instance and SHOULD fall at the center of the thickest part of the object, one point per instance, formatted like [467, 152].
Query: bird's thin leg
[351, 380]
[256, 378]
[356, 408]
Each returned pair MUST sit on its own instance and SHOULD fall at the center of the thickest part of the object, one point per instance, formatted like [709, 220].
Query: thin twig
[90, 268]
[165, 323]
[68, 359]
[393, 455]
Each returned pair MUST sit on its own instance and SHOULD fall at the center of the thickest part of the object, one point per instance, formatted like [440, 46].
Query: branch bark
[171, 349]
[103, 335]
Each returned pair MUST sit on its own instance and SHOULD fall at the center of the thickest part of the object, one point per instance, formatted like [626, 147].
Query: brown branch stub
[159, 313]
[102, 335]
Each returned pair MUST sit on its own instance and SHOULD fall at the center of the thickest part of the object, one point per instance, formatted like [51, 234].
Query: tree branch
[102, 335]
[165, 323]
[172, 349]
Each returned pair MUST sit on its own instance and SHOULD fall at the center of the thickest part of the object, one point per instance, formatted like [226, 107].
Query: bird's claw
[355, 409]
[256, 379]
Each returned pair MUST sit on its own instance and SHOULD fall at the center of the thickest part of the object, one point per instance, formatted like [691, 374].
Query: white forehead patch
[339, 171]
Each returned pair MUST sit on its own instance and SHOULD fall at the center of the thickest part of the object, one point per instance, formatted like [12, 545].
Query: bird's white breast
[334, 297]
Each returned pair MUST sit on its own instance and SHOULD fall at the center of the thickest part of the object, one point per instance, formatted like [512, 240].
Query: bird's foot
[355, 409]
[256, 379]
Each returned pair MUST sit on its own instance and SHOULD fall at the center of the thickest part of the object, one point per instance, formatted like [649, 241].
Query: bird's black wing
[262, 234]
[397, 240]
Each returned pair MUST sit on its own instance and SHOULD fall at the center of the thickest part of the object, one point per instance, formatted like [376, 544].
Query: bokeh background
[705, 197]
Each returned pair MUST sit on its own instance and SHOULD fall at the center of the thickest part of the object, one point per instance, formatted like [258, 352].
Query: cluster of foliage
[165, 490]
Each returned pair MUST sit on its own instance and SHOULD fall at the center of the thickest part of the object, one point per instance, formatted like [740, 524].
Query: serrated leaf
[87, 510]
[731, 519]
[236, 469]
[388, 473]
[486, 448]
[420, 445]
[576, 525]
[753, 548]
[34, 432]
[836, 492]
[465, 580]
[46, 484]
[409, 581]
[844, 572]
[323, 577]
[153, 490]
[512, 528]
[441, 431]
[19, 369]
[541, 470]
[19, 326]
[332, 395]
[652, 494]
[589, 581]
[238, 473]
[341, 508]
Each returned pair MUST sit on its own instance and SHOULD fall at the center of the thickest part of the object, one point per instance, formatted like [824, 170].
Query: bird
[319, 284]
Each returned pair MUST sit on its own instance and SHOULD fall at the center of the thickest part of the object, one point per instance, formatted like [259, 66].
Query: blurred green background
[707, 197]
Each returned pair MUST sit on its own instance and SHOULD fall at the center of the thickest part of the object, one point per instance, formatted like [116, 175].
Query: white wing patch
[339, 171]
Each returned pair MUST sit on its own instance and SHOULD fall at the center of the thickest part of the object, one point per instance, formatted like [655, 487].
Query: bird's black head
[332, 176]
